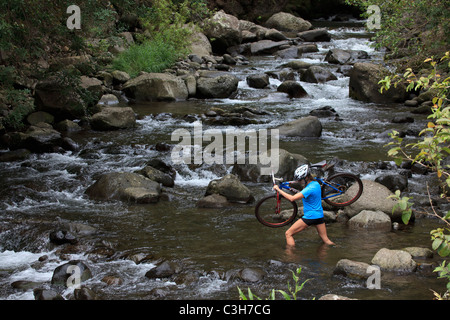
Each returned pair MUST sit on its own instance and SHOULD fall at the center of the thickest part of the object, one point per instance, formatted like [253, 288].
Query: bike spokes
[275, 211]
[342, 189]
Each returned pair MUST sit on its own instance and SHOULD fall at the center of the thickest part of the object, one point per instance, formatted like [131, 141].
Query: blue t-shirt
[312, 201]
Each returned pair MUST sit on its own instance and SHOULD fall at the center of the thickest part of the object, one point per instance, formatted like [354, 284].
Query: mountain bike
[338, 190]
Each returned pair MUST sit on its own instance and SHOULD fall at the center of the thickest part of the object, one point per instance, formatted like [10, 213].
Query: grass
[150, 56]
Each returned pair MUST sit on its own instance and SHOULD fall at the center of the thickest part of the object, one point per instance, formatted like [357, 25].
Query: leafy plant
[430, 151]
[293, 291]
[151, 56]
[410, 29]
[403, 204]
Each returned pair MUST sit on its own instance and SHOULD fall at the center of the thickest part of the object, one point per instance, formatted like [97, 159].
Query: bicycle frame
[286, 185]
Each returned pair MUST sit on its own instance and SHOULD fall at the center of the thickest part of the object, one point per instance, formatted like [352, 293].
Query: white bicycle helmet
[301, 172]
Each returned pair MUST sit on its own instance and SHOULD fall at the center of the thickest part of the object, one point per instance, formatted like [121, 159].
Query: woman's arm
[288, 196]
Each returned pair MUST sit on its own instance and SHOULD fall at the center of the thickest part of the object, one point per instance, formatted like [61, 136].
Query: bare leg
[298, 226]
[322, 231]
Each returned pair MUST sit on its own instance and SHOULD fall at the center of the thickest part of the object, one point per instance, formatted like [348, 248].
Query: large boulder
[374, 198]
[200, 44]
[304, 127]
[266, 46]
[287, 22]
[321, 34]
[113, 118]
[341, 56]
[231, 188]
[317, 74]
[371, 220]
[223, 31]
[363, 86]
[293, 89]
[125, 186]
[287, 163]
[54, 97]
[156, 87]
[217, 85]
[352, 269]
[394, 260]
[71, 273]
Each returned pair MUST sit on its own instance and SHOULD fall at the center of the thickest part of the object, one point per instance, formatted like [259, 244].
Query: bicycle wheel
[270, 214]
[342, 189]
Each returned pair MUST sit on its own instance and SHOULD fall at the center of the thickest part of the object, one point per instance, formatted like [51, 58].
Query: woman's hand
[276, 187]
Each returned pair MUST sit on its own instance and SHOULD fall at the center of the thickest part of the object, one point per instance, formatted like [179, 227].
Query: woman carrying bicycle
[311, 197]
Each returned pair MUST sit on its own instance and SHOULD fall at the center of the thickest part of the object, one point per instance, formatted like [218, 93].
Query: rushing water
[47, 190]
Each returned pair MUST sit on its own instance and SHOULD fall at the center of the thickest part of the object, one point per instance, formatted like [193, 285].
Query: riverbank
[172, 249]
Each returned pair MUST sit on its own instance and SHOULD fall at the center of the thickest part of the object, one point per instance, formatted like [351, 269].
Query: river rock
[158, 176]
[61, 274]
[393, 182]
[338, 56]
[352, 269]
[125, 186]
[41, 138]
[258, 81]
[164, 270]
[251, 274]
[293, 89]
[199, 44]
[156, 87]
[40, 116]
[266, 46]
[53, 97]
[46, 294]
[364, 85]
[223, 31]
[120, 77]
[67, 126]
[289, 53]
[287, 22]
[371, 220]
[220, 85]
[315, 35]
[93, 85]
[113, 118]
[84, 293]
[304, 127]
[287, 163]
[297, 65]
[418, 252]
[231, 188]
[14, 155]
[331, 296]
[108, 100]
[317, 74]
[213, 201]
[62, 236]
[394, 260]
[375, 197]
[324, 112]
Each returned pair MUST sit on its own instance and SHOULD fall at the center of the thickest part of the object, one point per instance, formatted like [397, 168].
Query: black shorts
[313, 222]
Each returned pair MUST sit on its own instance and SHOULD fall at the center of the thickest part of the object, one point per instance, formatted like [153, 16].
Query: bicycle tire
[349, 184]
[265, 211]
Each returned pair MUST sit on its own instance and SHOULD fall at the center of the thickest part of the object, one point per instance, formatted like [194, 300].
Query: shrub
[150, 56]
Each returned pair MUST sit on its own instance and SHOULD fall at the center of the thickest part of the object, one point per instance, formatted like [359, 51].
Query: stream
[47, 190]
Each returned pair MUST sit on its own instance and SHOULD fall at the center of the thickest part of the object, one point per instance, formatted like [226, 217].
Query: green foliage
[413, 29]
[434, 147]
[21, 105]
[151, 56]
[404, 205]
[293, 291]
[168, 26]
[430, 151]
